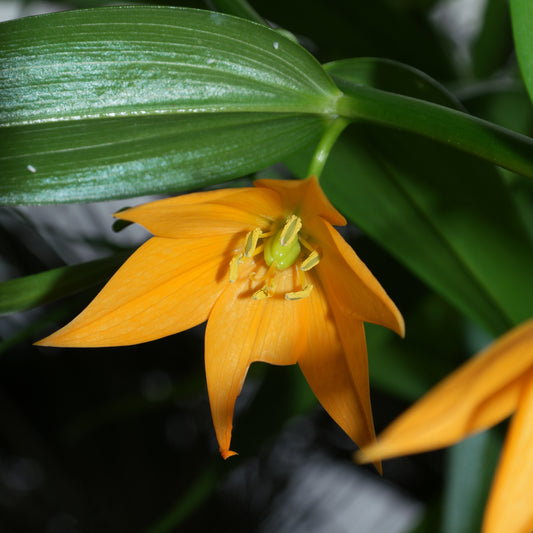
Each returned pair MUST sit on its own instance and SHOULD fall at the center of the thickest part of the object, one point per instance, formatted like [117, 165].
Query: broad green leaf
[123, 101]
[447, 216]
[522, 21]
[31, 291]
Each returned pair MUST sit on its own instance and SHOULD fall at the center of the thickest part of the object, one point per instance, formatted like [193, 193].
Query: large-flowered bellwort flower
[480, 394]
[273, 278]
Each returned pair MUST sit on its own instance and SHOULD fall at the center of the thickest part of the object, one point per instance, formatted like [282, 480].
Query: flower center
[281, 249]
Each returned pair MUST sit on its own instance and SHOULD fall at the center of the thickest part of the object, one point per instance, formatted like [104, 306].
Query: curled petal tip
[227, 453]
[401, 327]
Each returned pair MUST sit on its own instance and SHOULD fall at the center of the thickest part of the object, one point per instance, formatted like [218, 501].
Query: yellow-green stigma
[283, 248]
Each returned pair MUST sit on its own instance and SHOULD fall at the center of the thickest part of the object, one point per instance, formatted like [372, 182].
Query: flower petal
[481, 393]
[304, 197]
[206, 213]
[166, 286]
[509, 507]
[349, 284]
[337, 371]
[241, 330]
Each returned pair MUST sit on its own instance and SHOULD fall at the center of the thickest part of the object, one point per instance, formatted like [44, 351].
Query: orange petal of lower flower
[337, 371]
[206, 213]
[241, 330]
[166, 286]
[481, 393]
[349, 284]
[510, 506]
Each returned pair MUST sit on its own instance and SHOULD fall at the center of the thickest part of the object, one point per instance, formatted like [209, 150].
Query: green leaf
[408, 368]
[522, 21]
[469, 471]
[372, 103]
[447, 216]
[492, 45]
[124, 101]
[24, 293]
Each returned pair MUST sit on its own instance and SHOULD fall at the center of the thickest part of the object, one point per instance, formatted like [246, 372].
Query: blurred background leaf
[24, 293]
[465, 495]
[522, 18]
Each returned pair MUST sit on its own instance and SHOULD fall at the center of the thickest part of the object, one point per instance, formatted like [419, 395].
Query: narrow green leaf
[493, 44]
[447, 216]
[452, 127]
[469, 471]
[522, 21]
[123, 101]
[24, 293]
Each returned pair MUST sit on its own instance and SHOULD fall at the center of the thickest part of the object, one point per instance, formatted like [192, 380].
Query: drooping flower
[480, 394]
[273, 278]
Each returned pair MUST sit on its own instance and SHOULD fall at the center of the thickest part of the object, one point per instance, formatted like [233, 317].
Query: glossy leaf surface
[124, 101]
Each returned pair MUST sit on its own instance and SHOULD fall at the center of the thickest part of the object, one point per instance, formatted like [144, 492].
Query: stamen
[290, 230]
[261, 294]
[299, 295]
[305, 244]
[311, 261]
[250, 243]
[270, 284]
[258, 249]
[234, 268]
[268, 275]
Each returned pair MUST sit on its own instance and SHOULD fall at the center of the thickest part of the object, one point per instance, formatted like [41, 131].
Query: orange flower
[483, 392]
[275, 281]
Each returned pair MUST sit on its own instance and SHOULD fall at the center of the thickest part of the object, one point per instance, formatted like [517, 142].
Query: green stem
[325, 145]
[478, 137]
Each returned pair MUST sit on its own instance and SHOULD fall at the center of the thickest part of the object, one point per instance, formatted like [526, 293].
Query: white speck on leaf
[275, 45]
[32, 169]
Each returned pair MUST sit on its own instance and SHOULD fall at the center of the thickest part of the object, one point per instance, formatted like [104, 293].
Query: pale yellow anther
[261, 294]
[234, 268]
[311, 261]
[299, 295]
[290, 230]
[250, 243]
